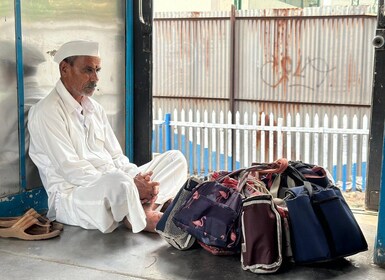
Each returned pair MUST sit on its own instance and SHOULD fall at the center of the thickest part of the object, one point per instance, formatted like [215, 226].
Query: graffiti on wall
[310, 73]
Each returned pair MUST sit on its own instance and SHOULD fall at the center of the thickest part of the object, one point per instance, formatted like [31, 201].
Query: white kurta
[89, 181]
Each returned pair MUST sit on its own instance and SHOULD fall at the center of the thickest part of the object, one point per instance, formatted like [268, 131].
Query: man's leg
[103, 204]
[170, 170]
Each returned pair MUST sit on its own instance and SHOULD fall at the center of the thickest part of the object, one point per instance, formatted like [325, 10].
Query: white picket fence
[216, 142]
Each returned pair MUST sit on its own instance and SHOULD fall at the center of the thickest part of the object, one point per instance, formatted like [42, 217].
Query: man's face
[80, 79]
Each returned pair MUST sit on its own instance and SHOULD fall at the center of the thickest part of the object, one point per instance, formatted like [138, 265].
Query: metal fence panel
[212, 141]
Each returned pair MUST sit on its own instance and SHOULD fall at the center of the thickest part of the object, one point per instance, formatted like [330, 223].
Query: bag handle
[230, 174]
[256, 167]
[296, 191]
[291, 173]
[277, 166]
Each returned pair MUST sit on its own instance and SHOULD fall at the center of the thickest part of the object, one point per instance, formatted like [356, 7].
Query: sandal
[27, 227]
[10, 221]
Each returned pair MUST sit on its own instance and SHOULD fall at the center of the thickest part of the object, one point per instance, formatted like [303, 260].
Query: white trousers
[106, 201]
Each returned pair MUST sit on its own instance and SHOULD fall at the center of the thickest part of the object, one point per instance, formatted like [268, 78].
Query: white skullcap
[75, 48]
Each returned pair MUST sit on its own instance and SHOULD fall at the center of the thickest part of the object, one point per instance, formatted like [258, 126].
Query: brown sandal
[30, 226]
[10, 221]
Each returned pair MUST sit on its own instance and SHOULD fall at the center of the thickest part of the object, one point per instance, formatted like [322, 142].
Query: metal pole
[377, 134]
[142, 53]
[377, 114]
[129, 103]
[379, 244]
[232, 84]
[20, 93]
[167, 121]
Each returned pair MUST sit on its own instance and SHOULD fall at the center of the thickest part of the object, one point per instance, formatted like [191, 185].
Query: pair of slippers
[30, 226]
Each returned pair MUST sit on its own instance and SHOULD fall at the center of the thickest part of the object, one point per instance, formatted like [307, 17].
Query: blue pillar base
[379, 244]
[379, 252]
[17, 204]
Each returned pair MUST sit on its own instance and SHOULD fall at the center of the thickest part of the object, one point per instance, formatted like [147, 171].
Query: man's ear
[63, 67]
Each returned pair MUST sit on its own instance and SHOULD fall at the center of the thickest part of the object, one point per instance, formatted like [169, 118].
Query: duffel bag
[342, 231]
[323, 228]
[265, 232]
[211, 215]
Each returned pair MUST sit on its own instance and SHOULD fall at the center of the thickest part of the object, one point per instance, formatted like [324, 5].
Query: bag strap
[277, 166]
[295, 174]
[296, 191]
[275, 186]
[256, 167]
[230, 174]
[291, 173]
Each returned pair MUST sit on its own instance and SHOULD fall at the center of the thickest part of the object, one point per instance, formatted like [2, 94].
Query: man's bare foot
[152, 218]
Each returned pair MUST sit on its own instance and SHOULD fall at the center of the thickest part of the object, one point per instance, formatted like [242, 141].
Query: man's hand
[148, 190]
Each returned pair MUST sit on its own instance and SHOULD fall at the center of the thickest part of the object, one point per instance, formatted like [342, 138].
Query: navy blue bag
[341, 228]
[322, 225]
[308, 241]
[211, 214]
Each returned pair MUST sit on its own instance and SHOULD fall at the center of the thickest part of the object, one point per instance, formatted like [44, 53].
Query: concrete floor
[81, 254]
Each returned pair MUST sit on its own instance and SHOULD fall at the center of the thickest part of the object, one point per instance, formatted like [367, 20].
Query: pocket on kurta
[99, 139]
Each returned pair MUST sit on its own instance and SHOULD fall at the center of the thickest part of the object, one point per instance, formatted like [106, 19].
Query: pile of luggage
[268, 213]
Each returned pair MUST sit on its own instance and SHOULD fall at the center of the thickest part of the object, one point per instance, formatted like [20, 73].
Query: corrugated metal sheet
[191, 57]
[326, 59]
[312, 60]
[169, 105]
[311, 55]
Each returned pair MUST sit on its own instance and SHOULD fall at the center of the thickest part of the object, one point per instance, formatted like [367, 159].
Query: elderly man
[89, 181]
